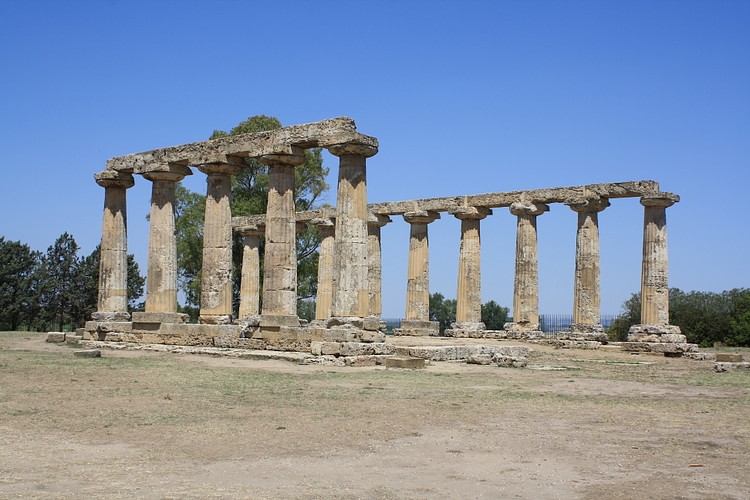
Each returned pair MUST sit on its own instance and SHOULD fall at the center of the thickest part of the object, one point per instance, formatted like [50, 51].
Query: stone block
[271, 320]
[72, 339]
[373, 324]
[331, 348]
[404, 362]
[159, 317]
[87, 353]
[365, 349]
[110, 316]
[371, 336]
[721, 366]
[56, 337]
[701, 356]
[728, 357]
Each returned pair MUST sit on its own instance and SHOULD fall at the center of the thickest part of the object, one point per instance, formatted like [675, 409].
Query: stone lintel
[630, 189]
[323, 133]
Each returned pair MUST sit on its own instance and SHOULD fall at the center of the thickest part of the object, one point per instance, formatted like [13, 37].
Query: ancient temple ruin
[348, 304]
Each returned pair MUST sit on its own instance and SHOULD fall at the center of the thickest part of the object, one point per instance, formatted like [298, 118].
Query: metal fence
[550, 324]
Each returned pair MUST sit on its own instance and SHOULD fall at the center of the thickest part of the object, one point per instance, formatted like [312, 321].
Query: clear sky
[465, 97]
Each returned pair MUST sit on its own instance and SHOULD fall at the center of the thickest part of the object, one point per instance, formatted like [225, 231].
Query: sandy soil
[578, 424]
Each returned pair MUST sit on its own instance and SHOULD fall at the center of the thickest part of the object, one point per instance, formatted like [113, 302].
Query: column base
[278, 320]
[160, 317]
[418, 328]
[522, 331]
[656, 333]
[110, 316]
[370, 323]
[584, 332]
[215, 319]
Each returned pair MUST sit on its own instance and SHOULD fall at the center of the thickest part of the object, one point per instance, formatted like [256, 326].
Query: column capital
[169, 172]
[114, 178]
[353, 148]
[377, 220]
[323, 222]
[221, 168]
[528, 208]
[297, 157]
[660, 200]
[421, 217]
[587, 204]
[471, 213]
[251, 230]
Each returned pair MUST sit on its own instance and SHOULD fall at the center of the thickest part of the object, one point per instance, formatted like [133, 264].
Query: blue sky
[465, 97]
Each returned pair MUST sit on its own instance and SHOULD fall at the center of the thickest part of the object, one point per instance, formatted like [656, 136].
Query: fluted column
[250, 276]
[469, 288]
[216, 274]
[526, 283]
[655, 269]
[280, 262]
[351, 261]
[324, 296]
[161, 280]
[417, 320]
[586, 292]
[374, 276]
[112, 303]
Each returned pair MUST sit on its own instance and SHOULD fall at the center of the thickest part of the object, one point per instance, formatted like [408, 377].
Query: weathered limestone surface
[250, 280]
[324, 297]
[417, 320]
[374, 273]
[351, 261]
[280, 265]
[55, 337]
[654, 275]
[113, 264]
[526, 284]
[161, 280]
[286, 140]
[216, 276]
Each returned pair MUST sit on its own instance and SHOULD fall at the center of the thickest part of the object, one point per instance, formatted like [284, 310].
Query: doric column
[469, 289]
[374, 276]
[161, 280]
[417, 320]
[250, 278]
[351, 262]
[586, 298]
[216, 274]
[655, 269]
[325, 268]
[280, 262]
[112, 303]
[526, 283]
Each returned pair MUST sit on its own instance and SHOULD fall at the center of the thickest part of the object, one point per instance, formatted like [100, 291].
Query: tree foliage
[17, 265]
[494, 316]
[704, 317]
[250, 197]
[443, 311]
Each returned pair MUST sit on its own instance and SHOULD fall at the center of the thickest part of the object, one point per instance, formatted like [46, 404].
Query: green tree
[739, 318]
[250, 197]
[494, 316]
[57, 283]
[630, 315]
[442, 310]
[18, 263]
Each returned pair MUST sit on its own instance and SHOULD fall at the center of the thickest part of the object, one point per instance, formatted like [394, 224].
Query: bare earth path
[583, 424]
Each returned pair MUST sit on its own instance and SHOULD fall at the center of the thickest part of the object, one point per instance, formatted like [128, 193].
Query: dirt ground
[575, 424]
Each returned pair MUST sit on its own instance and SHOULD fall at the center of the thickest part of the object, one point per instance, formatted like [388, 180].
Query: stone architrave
[112, 303]
[280, 263]
[375, 271]
[469, 287]
[586, 293]
[216, 274]
[350, 303]
[526, 283]
[417, 322]
[250, 280]
[324, 297]
[161, 279]
[655, 270]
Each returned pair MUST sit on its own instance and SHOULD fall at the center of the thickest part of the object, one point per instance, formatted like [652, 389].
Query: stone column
[280, 263]
[161, 279]
[586, 299]
[469, 290]
[417, 320]
[374, 275]
[216, 274]
[526, 283]
[654, 275]
[250, 280]
[112, 303]
[325, 268]
[351, 262]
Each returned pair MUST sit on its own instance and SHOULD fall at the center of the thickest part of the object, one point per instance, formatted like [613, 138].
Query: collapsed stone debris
[348, 305]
